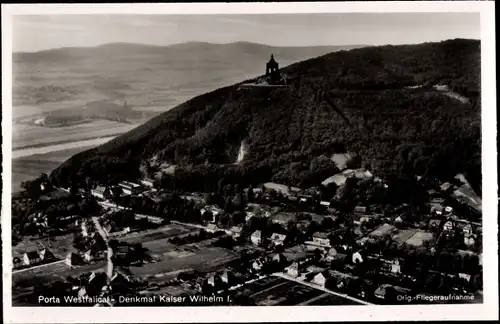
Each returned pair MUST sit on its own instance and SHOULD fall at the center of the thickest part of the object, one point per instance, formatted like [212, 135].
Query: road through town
[110, 250]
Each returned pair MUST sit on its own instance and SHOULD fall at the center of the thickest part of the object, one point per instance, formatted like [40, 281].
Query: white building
[212, 228]
[320, 279]
[87, 256]
[469, 239]
[324, 203]
[395, 266]
[357, 258]
[321, 239]
[98, 192]
[293, 270]
[256, 237]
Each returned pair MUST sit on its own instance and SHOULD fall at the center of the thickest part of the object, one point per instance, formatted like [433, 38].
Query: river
[59, 147]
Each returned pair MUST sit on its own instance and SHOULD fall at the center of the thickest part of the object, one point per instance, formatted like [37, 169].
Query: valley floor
[30, 165]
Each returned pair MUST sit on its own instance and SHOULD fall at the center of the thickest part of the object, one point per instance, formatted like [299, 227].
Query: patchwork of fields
[29, 136]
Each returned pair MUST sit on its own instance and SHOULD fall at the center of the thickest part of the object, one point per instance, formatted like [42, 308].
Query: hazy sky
[33, 33]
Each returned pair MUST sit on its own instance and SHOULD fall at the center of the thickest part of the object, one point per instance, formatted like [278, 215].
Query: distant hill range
[379, 102]
[153, 78]
[235, 53]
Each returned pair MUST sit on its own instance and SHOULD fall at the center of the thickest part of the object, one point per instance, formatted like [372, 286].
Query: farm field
[419, 238]
[28, 136]
[404, 235]
[204, 260]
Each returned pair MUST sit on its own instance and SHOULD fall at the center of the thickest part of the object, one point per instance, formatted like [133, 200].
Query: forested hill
[378, 102]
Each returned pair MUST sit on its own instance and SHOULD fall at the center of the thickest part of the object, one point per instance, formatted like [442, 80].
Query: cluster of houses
[33, 258]
[93, 246]
[124, 188]
[442, 220]
[97, 286]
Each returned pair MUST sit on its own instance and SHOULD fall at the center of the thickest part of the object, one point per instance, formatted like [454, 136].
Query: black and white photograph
[163, 159]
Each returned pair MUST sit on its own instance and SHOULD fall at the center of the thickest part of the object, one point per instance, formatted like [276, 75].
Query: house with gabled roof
[321, 278]
[98, 192]
[88, 256]
[380, 292]
[293, 270]
[469, 239]
[31, 257]
[45, 254]
[279, 257]
[227, 277]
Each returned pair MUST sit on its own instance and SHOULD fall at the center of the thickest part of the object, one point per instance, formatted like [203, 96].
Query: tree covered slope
[378, 102]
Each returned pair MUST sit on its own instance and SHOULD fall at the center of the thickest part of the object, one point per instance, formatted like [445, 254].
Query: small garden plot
[419, 238]
[203, 261]
[163, 232]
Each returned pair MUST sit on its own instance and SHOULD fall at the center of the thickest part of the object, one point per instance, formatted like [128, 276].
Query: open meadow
[204, 260]
[154, 235]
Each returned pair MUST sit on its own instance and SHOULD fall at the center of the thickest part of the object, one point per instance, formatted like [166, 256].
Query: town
[342, 243]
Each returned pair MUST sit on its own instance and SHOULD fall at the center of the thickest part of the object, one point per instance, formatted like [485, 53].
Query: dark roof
[33, 255]
[272, 61]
